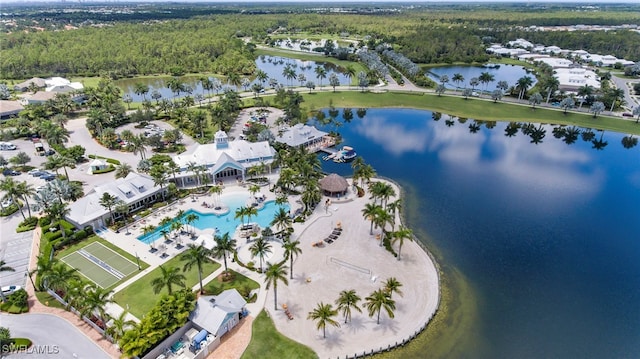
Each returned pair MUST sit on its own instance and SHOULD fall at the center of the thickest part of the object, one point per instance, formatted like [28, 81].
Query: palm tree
[122, 208]
[109, 202]
[240, 213]
[260, 248]
[535, 99]
[378, 300]
[457, 79]
[321, 73]
[169, 277]
[486, 78]
[10, 187]
[281, 220]
[198, 256]
[615, 94]
[25, 190]
[118, 326]
[636, 113]
[190, 218]
[323, 314]
[224, 244]
[348, 299]
[369, 212]
[123, 170]
[392, 285]
[349, 72]
[400, 235]
[275, 273]
[523, 85]
[291, 249]
[59, 277]
[584, 92]
[94, 300]
[551, 85]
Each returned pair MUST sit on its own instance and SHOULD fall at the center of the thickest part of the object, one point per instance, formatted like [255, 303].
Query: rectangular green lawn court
[100, 264]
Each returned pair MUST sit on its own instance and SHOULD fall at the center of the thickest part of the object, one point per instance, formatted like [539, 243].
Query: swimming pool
[225, 222]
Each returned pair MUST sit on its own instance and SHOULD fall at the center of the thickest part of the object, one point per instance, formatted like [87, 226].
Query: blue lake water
[226, 222]
[272, 65]
[509, 73]
[548, 234]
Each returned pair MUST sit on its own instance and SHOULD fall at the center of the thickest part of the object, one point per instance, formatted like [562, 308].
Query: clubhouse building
[222, 160]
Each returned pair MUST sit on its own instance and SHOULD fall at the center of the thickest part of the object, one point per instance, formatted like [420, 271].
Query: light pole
[28, 274]
[138, 261]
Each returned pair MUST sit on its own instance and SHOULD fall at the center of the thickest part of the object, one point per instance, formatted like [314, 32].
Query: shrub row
[111, 168]
[109, 160]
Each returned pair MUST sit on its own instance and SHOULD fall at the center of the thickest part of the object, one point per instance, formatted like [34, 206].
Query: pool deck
[354, 261]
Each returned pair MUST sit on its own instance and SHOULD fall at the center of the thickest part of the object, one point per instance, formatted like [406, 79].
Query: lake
[545, 235]
[271, 65]
[509, 73]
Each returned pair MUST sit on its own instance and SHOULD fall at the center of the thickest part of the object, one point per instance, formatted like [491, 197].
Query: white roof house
[219, 314]
[574, 78]
[136, 190]
[226, 158]
[521, 43]
[556, 62]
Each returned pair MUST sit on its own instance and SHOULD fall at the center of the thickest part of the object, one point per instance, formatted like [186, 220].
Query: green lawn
[267, 342]
[46, 299]
[243, 284]
[474, 108]
[140, 296]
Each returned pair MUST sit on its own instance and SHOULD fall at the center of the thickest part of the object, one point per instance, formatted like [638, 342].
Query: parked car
[10, 289]
[7, 202]
[7, 146]
[10, 172]
[627, 114]
[49, 177]
[50, 152]
[37, 172]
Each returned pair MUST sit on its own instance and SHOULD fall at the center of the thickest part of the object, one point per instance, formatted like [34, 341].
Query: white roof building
[300, 135]
[574, 78]
[219, 314]
[556, 62]
[136, 190]
[521, 43]
[224, 158]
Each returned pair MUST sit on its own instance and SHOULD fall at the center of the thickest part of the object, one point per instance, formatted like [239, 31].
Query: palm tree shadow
[355, 325]
[299, 278]
[387, 325]
[333, 339]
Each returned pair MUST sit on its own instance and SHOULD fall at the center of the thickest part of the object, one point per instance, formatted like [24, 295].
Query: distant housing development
[569, 69]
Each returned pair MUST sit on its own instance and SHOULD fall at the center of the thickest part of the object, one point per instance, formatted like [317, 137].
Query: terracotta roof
[334, 183]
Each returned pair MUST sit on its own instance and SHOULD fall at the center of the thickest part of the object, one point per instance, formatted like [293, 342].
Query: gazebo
[334, 185]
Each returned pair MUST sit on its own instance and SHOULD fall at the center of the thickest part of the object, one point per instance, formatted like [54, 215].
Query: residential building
[9, 109]
[571, 79]
[24, 86]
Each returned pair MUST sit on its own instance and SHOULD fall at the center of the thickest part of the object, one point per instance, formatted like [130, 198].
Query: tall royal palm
[369, 212]
[321, 73]
[276, 273]
[196, 255]
[108, 202]
[260, 248]
[291, 249]
[323, 314]
[379, 300]
[169, 277]
[457, 79]
[347, 301]
[224, 245]
[523, 85]
[403, 233]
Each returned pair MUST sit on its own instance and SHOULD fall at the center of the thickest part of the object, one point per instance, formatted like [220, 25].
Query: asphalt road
[52, 337]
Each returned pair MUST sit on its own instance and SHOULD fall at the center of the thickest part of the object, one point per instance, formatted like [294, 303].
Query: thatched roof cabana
[334, 185]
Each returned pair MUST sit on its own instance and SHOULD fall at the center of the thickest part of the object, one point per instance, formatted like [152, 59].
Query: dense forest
[193, 42]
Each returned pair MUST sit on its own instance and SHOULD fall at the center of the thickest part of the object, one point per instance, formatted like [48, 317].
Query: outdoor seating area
[335, 234]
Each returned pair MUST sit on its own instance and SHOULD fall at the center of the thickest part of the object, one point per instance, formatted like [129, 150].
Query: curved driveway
[52, 337]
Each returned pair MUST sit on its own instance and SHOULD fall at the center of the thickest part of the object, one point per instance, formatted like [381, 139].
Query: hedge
[109, 160]
[111, 168]
[27, 225]
[7, 211]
